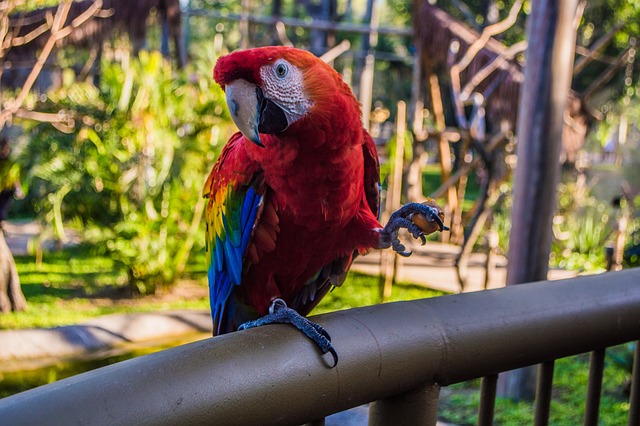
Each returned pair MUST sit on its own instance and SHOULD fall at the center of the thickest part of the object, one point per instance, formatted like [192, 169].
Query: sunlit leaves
[135, 162]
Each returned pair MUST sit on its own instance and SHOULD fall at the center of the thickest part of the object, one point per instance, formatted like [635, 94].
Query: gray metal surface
[274, 375]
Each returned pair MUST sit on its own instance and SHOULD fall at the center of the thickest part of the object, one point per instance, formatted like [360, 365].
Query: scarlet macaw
[294, 196]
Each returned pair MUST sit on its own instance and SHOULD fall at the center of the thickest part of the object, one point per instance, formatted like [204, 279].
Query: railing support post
[594, 388]
[487, 400]
[543, 394]
[418, 407]
[634, 400]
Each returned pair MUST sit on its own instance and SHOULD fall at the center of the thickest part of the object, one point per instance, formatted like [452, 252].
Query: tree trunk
[11, 297]
[551, 34]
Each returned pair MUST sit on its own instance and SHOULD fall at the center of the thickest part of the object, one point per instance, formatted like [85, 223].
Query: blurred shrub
[132, 167]
[632, 249]
[582, 227]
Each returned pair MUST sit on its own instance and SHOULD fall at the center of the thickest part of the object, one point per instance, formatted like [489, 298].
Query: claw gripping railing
[395, 355]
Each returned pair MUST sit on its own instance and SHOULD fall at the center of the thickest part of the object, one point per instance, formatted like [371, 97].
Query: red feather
[321, 188]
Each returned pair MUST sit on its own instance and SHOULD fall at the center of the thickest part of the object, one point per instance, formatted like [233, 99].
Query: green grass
[363, 290]
[77, 284]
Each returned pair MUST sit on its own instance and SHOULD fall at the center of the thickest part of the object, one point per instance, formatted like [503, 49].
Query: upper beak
[252, 112]
[243, 105]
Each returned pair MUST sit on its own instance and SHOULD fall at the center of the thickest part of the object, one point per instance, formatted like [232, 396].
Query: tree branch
[593, 51]
[336, 51]
[282, 34]
[458, 67]
[496, 63]
[487, 33]
[32, 35]
[454, 73]
[58, 32]
[604, 78]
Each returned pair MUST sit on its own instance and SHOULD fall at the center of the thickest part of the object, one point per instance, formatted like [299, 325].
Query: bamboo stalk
[394, 190]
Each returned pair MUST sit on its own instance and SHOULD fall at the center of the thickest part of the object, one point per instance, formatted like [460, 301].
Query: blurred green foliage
[582, 227]
[9, 172]
[632, 248]
[130, 171]
[79, 283]
[27, 5]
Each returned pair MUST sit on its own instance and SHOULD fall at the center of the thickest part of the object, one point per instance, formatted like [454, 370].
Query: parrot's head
[272, 89]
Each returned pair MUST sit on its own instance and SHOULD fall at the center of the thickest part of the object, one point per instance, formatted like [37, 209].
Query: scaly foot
[402, 218]
[279, 313]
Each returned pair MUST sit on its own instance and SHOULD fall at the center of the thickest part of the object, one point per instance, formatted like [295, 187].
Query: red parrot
[294, 196]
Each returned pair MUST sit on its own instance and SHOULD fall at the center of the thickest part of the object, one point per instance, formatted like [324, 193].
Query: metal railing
[395, 356]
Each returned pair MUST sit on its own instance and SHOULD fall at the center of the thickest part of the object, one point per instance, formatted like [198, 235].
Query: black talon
[440, 223]
[335, 356]
[279, 313]
[434, 216]
[400, 248]
[401, 218]
[415, 231]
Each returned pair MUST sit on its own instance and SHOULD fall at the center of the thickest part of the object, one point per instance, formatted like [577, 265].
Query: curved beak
[252, 112]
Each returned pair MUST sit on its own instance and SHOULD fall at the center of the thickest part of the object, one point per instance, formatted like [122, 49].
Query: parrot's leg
[279, 313]
[401, 218]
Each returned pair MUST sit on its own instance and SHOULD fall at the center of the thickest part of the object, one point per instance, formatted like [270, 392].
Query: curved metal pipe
[272, 375]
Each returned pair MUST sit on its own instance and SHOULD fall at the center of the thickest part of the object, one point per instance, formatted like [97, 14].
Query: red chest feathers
[316, 191]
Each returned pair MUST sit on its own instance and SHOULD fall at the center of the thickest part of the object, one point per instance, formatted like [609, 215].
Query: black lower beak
[272, 118]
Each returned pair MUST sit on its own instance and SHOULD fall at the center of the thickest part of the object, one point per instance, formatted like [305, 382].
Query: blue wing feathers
[248, 208]
[233, 260]
[249, 213]
[219, 255]
[228, 248]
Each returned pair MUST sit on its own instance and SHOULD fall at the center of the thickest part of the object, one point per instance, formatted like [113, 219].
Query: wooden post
[11, 296]
[490, 262]
[417, 104]
[388, 258]
[551, 34]
[457, 230]
[416, 112]
[619, 236]
[443, 148]
[366, 79]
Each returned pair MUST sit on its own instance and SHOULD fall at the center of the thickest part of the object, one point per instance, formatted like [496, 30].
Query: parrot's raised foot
[404, 218]
[279, 313]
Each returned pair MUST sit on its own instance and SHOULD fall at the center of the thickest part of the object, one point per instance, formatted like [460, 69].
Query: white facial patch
[283, 84]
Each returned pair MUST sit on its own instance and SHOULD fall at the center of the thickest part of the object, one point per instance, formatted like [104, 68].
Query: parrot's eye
[281, 70]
